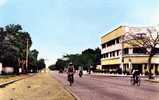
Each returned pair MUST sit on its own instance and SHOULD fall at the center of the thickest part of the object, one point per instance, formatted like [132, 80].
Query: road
[93, 87]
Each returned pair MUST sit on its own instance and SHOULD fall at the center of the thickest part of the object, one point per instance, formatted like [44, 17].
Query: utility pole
[27, 56]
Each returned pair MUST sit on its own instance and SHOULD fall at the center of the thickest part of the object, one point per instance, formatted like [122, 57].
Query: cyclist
[136, 74]
[80, 71]
[70, 72]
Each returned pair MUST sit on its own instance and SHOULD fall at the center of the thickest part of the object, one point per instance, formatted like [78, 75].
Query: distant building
[117, 55]
[6, 69]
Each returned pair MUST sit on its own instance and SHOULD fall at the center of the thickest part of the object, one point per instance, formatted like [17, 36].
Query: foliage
[33, 55]
[87, 58]
[13, 47]
[147, 41]
[52, 67]
[41, 64]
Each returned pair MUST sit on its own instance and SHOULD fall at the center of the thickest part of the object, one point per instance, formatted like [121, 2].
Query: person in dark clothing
[135, 74]
[71, 71]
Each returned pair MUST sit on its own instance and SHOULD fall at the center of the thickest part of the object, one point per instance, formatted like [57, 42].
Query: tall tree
[147, 41]
[41, 64]
[33, 55]
[98, 56]
[12, 38]
[61, 64]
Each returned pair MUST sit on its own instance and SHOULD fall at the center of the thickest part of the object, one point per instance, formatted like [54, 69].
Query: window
[117, 40]
[110, 54]
[139, 50]
[113, 53]
[156, 50]
[126, 51]
[117, 52]
[106, 55]
[103, 45]
[102, 55]
[112, 42]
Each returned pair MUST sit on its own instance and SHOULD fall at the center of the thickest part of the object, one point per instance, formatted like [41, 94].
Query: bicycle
[135, 80]
[70, 79]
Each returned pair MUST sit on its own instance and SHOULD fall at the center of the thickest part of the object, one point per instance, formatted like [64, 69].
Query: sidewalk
[111, 75]
[39, 87]
[155, 80]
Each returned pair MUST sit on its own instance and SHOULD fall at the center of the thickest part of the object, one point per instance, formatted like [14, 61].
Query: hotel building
[117, 54]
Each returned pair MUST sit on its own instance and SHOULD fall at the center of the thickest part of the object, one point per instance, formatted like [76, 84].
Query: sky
[60, 27]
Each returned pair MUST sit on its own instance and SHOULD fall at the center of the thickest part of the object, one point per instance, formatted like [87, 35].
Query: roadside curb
[114, 75]
[66, 88]
[2, 85]
[73, 94]
[6, 83]
[153, 81]
[109, 75]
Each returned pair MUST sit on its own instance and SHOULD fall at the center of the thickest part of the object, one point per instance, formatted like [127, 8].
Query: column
[0, 68]
[143, 68]
[153, 69]
[158, 68]
[130, 50]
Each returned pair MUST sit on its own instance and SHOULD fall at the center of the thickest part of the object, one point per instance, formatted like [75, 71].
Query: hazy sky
[58, 27]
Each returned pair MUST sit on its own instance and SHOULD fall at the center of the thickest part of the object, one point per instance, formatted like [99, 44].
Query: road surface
[93, 87]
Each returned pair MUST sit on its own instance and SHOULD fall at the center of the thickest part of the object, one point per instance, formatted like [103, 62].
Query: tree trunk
[150, 66]
[23, 67]
[16, 70]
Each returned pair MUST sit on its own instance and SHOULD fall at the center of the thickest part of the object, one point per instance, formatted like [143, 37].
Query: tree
[13, 28]
[10, 58]
[52, 67]
[74, 58]
[147, 41]
[8, 51]
[33, 55]
[12, 38]
[61, 64]
[98, 56]
[19, 40]
[87, 58]
[2, 37]
[41, 64]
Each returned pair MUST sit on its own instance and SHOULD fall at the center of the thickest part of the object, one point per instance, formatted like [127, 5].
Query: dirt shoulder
[39, 87]
[8, 78]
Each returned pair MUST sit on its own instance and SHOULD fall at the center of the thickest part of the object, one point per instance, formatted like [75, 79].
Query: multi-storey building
[116, 54]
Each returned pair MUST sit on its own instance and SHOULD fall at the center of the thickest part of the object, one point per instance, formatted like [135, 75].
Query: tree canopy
[13, 48]
[147, 41]
[87, 58]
